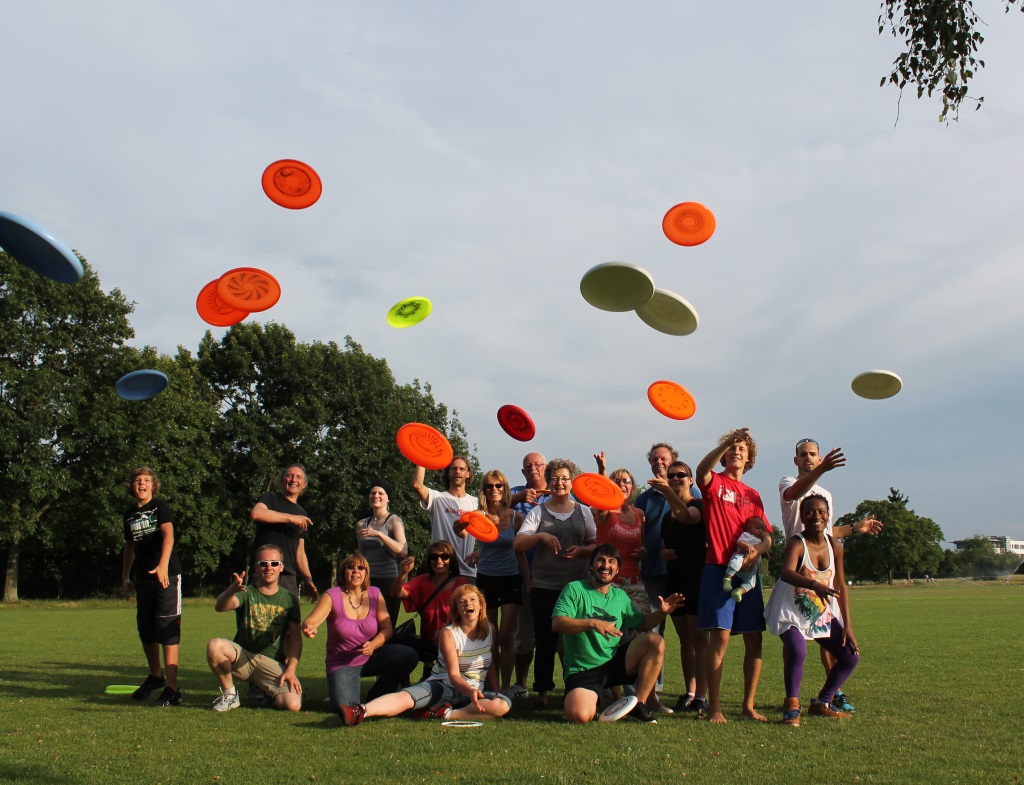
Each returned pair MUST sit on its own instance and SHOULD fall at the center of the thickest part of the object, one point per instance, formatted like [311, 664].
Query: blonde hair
[352, 560]
[506, 496]
[483, 624]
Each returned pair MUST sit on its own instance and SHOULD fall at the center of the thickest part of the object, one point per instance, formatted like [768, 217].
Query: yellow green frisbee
[409, 311]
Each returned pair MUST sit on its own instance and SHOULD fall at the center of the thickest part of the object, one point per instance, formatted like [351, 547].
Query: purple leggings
[794, 652]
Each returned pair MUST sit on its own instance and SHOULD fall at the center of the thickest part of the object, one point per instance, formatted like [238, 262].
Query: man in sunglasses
[267, 645]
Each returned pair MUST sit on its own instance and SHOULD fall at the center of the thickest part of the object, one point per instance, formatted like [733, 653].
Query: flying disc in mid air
[213, 310]
[596, 490]
[141, 385]
[672, 399]
[424, 446]
[480, 526]
[248, 289]
[617, 286]
[292, 184]
[39, 250]
[669, 313]
[410, 311]
[688, 223]
[516, 423]
[876, 385]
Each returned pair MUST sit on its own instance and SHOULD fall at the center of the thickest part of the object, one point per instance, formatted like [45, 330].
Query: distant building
[999, 544]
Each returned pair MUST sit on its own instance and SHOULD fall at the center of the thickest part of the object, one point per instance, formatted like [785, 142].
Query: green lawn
[938, 696]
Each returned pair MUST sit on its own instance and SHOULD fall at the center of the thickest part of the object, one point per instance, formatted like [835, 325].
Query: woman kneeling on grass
[803, 607]
[454, 689]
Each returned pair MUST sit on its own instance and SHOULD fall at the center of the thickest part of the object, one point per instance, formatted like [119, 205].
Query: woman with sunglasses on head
[564, 534]
[500, 570]
[429, 594]
[381, 538]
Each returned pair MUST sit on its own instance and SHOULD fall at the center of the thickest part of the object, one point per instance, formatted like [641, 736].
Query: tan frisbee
[876, 385]
[669, 313]
[617, 286]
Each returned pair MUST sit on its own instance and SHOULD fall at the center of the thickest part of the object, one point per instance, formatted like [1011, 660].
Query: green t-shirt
[262, 621]
[590, 649]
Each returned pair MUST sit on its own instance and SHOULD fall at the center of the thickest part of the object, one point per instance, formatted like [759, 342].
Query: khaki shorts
[257, 669]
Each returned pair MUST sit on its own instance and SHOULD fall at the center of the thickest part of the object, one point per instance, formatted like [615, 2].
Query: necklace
[354, 605]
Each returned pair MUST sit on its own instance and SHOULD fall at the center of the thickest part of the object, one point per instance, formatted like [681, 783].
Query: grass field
[939, 700]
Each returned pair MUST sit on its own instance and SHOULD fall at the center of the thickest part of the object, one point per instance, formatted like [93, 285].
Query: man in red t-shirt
[728, 503]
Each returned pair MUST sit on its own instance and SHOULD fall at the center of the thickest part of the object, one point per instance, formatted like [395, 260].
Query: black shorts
[611, 674]
[158, 611]
[686, 582]
[501, 589]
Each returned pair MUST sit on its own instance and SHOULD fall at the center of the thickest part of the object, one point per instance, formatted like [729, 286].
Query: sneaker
[698, 706]
[440, 712]
[352, 714]
[169, 697]
[517, 691]
[683, 704]
[822, 709]
[841, 703]
[641, 713]
[146, 688]
[791, 712]
[661, 708]
[227, 701]
[254, 693]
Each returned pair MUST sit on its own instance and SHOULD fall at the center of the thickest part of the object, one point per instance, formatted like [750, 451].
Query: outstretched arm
[833, 460]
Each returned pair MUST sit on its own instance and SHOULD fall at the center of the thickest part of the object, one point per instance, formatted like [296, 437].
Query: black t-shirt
[689, 543]
[142, 526]
[285, 536]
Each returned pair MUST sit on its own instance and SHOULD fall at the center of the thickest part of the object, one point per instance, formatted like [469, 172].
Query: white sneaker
[227, 701]
[517, 691]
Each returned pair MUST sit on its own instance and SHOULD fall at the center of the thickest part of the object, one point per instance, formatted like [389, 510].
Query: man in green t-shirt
[590, 615]
[267, 645]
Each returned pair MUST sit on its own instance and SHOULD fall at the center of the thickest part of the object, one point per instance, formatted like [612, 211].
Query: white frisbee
[619, 709]
[669, 313]
[876, 385]
[462, 723]
[141, 385]
[617, 286]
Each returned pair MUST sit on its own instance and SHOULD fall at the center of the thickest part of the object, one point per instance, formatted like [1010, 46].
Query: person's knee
[289, 701]
[216, 651]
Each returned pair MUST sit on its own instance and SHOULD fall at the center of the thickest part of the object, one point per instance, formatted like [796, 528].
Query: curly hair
[751, 449]
[555, 464]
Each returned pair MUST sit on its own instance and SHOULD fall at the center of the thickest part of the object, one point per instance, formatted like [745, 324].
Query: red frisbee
[212, 309]
[516, 423]
[424, 446]
[688, 223]
[292, 184]
[248, 289]
[671, 399]
[480, 526]
[596, 490]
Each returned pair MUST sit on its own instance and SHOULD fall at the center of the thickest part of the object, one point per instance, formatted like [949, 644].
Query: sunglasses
[353, 567]
[490, 486]
[677, 475]
[270, 563]
[441, 556]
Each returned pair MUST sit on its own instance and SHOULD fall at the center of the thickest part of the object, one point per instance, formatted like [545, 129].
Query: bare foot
[717, 717]
[754, 714]
[542, 700]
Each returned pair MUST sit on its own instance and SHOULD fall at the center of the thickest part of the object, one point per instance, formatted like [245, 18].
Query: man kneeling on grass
[268, 644]
[590, 615]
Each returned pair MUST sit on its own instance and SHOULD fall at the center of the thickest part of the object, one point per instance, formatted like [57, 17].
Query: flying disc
[424, 446]
[39, 250]
[876, 385]
[292, 184]
[462, 723]
[617, 286]
[619, 709]
[516, 423]
[596, 490]
[480, 526]
[409, 311]
[212, 309]
[688, 223]
[671, 399]
[141, 385]
[120, 689]
[248, 289]
[669, 313]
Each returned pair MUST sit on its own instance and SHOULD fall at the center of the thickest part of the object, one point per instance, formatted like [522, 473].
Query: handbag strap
[430, 599]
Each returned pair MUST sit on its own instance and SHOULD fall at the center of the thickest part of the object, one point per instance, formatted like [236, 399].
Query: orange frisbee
[480, 526]
[213, 310]
[688, 223]
[248, 289]
[424, 446]
[292, 184]
[671, 399]
[596, 490]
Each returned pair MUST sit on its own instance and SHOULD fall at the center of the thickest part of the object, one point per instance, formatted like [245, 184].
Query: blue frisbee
[38, 250]
[141, 385]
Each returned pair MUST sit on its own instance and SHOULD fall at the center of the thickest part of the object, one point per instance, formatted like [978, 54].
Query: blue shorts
[717, 610]
[437, 691]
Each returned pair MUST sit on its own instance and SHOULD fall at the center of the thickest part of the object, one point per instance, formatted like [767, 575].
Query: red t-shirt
[435, 616]
[626, 534]
[727, 505]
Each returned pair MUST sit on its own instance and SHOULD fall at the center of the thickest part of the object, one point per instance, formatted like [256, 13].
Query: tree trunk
[11, 575]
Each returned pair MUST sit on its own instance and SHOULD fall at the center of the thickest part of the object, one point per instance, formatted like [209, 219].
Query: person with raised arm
[446, 507]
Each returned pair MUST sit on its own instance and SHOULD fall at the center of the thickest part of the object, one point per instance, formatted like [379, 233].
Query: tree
[976, 557]
[907, 545]
[941, 40]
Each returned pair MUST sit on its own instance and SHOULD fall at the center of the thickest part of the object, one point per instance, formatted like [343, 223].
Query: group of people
[595, 586]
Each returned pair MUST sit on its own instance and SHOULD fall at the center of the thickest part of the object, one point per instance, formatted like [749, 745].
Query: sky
[486, 156]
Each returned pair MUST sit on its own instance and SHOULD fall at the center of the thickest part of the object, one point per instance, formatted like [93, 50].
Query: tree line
[234, 413]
